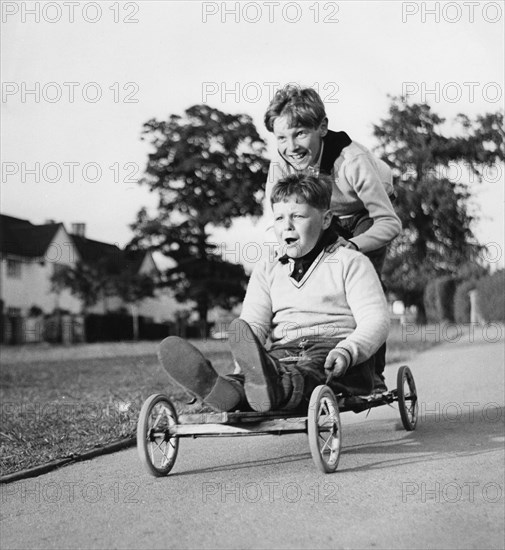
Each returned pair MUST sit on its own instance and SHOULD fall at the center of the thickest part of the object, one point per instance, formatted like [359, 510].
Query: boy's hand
[335, 365]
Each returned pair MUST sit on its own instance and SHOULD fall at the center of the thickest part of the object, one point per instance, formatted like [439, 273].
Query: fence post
[475, 313]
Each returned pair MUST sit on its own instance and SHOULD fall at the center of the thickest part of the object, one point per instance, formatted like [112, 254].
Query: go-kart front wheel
[407, 398]
[324, 429]
[156, 446]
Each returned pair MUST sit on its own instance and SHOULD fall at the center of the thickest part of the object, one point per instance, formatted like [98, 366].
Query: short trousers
[309, 355]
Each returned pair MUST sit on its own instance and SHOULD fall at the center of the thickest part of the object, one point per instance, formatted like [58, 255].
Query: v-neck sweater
[339, 296]
[299, 266]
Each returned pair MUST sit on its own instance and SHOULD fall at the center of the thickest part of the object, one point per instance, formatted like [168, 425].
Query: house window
[14, 269]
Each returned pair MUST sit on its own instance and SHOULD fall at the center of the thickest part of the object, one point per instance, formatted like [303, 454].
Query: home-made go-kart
[159, 427]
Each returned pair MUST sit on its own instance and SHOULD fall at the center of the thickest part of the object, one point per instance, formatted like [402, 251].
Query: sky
[79, 80]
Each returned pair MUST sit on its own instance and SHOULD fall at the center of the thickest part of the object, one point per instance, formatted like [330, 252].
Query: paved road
[441, 486]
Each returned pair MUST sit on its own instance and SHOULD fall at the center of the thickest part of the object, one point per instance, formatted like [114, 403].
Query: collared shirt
[300, 266]
[315, 170]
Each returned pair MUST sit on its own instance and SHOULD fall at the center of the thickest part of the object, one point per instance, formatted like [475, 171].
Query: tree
[85, 282]
[207, 168]
[432, 203]
[105, 278]
[132, 288]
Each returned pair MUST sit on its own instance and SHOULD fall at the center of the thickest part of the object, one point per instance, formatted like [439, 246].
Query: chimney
[79, 229]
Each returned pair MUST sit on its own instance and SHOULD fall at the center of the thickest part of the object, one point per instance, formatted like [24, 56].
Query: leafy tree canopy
[207, 168]
[92, 282]
[432, 203]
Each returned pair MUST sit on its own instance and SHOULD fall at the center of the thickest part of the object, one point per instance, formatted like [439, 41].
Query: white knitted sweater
[339, 296]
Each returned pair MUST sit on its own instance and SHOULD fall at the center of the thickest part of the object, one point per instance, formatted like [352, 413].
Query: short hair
[302, 107]
[315, 191]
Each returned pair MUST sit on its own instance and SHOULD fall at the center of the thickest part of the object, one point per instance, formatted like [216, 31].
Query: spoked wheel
[324, 429]
[157, 448]
[407, 398]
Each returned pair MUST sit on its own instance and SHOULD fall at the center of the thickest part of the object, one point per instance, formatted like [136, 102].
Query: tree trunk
[135, 321]
[203, 310]
[421, 314]
[203, 300]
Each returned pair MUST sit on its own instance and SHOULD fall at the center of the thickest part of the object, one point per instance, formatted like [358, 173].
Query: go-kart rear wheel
[324, 429]
[407, 398]
[156, 446]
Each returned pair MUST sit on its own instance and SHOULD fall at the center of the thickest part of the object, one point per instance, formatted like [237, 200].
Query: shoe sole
[188, 369]
[246, 353]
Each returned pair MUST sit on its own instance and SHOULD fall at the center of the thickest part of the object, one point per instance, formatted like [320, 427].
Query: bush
[446, 291]
[491, 295]
[154, 331]
[52, 328]
[430, 301]
[117, 326]
[439, 299]
[462, 301]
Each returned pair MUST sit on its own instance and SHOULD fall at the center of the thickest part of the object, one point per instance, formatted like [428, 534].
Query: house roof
[94, 252]
[135, 259]
[21, 238]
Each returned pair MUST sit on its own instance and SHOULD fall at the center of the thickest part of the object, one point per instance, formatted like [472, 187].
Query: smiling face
[298, 225]
[300, 145]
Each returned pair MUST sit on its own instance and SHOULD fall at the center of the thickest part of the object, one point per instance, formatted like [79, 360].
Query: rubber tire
[404, 373]
[320, 393]
[142, 435]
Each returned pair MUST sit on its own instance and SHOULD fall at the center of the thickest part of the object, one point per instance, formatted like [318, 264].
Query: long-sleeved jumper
[339, 296]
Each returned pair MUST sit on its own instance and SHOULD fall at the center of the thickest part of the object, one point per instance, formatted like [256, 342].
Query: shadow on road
[436, 437]
[246, 464]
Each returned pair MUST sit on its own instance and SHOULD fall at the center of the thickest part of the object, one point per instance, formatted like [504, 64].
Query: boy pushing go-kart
[323, 310]
[363, 214]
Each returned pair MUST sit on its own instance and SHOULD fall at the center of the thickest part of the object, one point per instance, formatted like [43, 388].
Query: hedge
[462, 301]
[114, 327]
[439, 299]
[430, 301]
[491, 296]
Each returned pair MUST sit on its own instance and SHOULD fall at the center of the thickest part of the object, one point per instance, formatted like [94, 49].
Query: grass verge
[60, 402]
